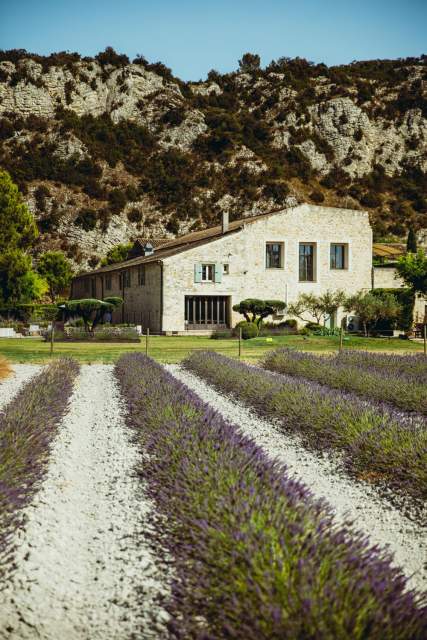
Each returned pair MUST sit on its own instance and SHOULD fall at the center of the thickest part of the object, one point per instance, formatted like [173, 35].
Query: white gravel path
[9, 387]
[85, 570]
[358, 502]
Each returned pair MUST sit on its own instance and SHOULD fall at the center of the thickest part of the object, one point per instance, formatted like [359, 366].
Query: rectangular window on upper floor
[141, 275]
[307, 261]
[338, 256]
[274, 255]
[208, 272]
[108, 286]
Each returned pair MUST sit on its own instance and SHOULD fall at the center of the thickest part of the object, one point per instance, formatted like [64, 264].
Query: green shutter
[197, 272]
[218, 271]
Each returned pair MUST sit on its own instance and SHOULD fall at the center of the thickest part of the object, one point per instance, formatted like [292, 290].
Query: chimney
[148, 249]
[224, 221]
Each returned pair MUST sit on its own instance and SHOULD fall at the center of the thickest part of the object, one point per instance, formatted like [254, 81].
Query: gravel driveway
[84, 566]
[386, 525]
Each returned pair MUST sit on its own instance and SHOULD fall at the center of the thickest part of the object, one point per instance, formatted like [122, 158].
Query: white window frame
[208, 268]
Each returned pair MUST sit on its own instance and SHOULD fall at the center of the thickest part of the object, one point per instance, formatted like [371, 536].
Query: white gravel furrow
[84, 567]
[9, 387]
[357, 502]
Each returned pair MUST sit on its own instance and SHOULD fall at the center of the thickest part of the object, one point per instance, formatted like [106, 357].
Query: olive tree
[371, 308]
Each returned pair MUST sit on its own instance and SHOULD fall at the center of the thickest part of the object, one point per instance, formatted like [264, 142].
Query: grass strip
[356, 373]
[28, 425]
[255, 556]
[378, 443]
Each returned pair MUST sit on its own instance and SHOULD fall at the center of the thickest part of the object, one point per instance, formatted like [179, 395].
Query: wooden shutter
[197, 272]
[218, 271]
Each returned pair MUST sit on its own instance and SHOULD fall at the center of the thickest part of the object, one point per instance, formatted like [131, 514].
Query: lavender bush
[255, 556]
[374, 439]
[361, 374]
[412, 366]
[27, 427]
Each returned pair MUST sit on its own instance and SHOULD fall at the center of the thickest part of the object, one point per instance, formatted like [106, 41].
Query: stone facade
[160, 303]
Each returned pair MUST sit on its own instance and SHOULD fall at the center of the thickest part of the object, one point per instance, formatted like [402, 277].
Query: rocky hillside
[106, 150]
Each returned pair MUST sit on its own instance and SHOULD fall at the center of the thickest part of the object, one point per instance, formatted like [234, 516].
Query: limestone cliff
[107, 150]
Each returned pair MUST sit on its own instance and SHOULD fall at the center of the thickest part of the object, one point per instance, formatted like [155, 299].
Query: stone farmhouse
[191, 283]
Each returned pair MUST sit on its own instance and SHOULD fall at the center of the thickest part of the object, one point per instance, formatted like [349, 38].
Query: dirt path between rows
[84, 568]
[358, 502]
[21, 374]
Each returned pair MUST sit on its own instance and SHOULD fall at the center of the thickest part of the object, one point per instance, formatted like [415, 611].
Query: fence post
[147, 335]
[341, 334]
[240, 342]
[425, 338]
[52, 335]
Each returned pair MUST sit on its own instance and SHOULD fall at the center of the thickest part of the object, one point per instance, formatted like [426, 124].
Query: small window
[274, 255]
[141, 275]
[208, 272]
[307, 262]
[226, 269]
[86, 285]
[108, 283]
[338, 256]
[126, 277]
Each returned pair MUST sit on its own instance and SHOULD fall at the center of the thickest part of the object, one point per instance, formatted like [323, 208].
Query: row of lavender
[28, 425]
[398, 380]
[375, 441]
[255, 556]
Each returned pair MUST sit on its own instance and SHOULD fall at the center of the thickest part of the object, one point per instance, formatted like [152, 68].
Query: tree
[119, 253]
[371, 308]
[411, 242]
[330, 302]
[255, 310]
[412, 268]
[56, 270]
[19, 284]
[91, 310]
[18, 229]
[307, 303]
[249, 62]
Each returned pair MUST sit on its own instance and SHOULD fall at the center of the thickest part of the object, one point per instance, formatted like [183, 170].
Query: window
[108, 283]
[338, 256]
[86, 285]
[226, 269]
[274, 255]
[208, 272]
[124, 280]
[307, 259]
[141, 275]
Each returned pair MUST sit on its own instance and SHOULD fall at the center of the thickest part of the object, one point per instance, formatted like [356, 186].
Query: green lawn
[175, 348]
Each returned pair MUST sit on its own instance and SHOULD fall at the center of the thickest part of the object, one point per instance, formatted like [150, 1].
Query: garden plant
[28, 425]
[376, 442]
[254, 555]
[400, 385]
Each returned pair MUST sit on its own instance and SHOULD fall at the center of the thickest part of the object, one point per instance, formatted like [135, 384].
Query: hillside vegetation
[106, 149]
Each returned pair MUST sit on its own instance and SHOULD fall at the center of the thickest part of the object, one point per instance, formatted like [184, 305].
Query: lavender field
[184, 510]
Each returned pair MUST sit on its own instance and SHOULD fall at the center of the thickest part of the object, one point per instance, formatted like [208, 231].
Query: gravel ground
[10, 386]
[385, 524]
[85, 570]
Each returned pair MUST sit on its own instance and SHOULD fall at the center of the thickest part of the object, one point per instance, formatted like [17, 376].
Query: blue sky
[193, 36]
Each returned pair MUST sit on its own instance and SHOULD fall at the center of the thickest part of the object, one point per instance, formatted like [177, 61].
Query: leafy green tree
[119, 253]
[19, 284]
[91, 310]
[18, 229]
[411, 242]
[371, 308]
[307, 303]
[56, 270]
[255, 310]
[412, 268]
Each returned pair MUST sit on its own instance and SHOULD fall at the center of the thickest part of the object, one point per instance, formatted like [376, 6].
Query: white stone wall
[244, 251]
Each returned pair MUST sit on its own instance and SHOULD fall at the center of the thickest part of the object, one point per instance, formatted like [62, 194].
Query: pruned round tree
[255, 310]
[91, 310]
